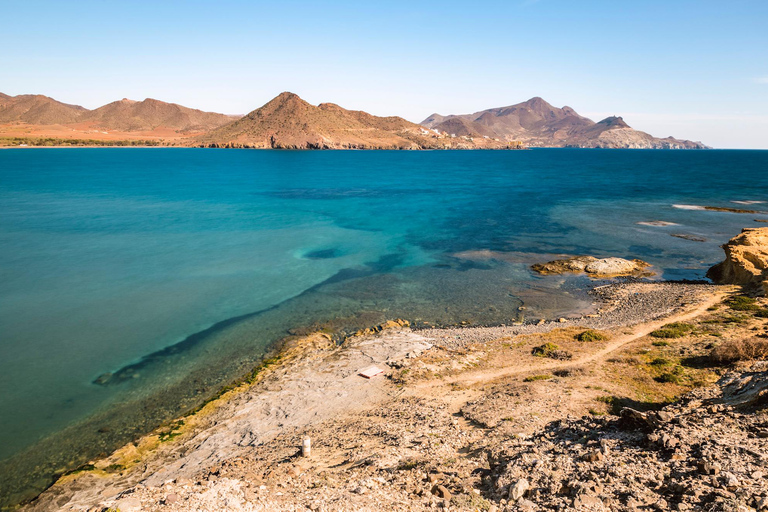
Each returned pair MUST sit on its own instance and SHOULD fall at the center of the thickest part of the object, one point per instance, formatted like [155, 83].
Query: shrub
[532, 378]
[734, 351]
[660, 361]
[673, 330]
[668, 377]
[742, 303]
[545, 350]
[551, 351]
[660, 343]
[591, 335]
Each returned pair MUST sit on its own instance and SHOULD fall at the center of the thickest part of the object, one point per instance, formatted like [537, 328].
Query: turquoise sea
[135, 283]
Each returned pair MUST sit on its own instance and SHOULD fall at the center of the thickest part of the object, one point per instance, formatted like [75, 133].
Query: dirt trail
[638, 331]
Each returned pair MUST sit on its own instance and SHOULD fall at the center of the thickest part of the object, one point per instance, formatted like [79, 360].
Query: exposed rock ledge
[605, 267]
[746, 261]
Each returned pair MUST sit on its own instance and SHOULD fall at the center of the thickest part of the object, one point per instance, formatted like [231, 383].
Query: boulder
[605, 267]
[746, 261]
[614, 267]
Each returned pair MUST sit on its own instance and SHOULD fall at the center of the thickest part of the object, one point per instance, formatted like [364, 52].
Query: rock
[731, 482]
[128, 505]
[442, 492]
[709, 468]
[575, 264]
[593, 456]
[606, 267]
[746, 261]
[518, 490]
[614, 267]
[171, 498]
[584, 501]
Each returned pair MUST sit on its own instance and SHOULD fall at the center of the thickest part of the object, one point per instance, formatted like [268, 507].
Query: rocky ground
[470, 419]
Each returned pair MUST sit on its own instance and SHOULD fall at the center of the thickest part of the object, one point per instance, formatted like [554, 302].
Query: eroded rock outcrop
[746, 261]
[705, 452]
[604, 267]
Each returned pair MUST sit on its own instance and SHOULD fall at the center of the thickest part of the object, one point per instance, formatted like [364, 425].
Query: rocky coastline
[655, 401]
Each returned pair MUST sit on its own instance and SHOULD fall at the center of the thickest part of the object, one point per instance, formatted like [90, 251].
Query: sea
[135, 283]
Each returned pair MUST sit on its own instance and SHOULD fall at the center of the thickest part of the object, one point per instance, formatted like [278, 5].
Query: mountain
[37, 109]
[123, 116]
[134, 116]
[289, 122]
[537, 123]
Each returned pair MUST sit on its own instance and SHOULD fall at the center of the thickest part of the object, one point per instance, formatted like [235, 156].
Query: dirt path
[638, 331]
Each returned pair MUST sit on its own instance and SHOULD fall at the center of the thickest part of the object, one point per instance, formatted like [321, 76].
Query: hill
[289, 122]
[37, 109]
[132, 116]
[537, 123]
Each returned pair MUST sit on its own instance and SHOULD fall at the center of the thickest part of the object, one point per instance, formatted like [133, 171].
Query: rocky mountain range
[537, 123]
[289, 122]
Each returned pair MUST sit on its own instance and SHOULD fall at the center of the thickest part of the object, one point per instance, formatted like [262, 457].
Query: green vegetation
[660, 343]
[673, 330]
[546, 350]
[50, 141]
[673, 376]
[171, 432]
[728, 319]
[743, 303]
[410, 464]
[533, 378]
[114, 468]
[591, 335]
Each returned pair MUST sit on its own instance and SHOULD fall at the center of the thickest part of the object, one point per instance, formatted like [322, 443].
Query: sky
[693, 69]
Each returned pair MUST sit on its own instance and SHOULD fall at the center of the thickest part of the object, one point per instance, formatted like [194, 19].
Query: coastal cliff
[746, 261]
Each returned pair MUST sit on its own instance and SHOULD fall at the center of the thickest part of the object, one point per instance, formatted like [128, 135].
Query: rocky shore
[655, 401]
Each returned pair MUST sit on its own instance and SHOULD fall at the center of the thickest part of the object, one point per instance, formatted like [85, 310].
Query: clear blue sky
[693, 69]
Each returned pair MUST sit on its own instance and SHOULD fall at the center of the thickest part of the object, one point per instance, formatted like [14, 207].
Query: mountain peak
[614, 122]
[538, 104]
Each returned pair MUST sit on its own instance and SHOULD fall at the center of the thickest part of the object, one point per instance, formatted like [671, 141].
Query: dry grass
[733, 351]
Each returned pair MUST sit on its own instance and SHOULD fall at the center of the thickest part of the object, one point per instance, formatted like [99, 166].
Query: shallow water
[136, 282]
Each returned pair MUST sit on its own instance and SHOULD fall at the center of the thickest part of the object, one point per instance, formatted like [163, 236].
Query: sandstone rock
[746, 261]
[575, 264]
[606, 267]
[614, 267]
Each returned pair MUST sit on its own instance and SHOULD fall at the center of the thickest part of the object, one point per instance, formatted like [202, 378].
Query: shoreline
[382, 346]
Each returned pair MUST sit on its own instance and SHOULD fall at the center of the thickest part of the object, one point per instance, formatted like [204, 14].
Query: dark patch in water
[323, 254]
[129, 372]
[340, 193]
[692, 238]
